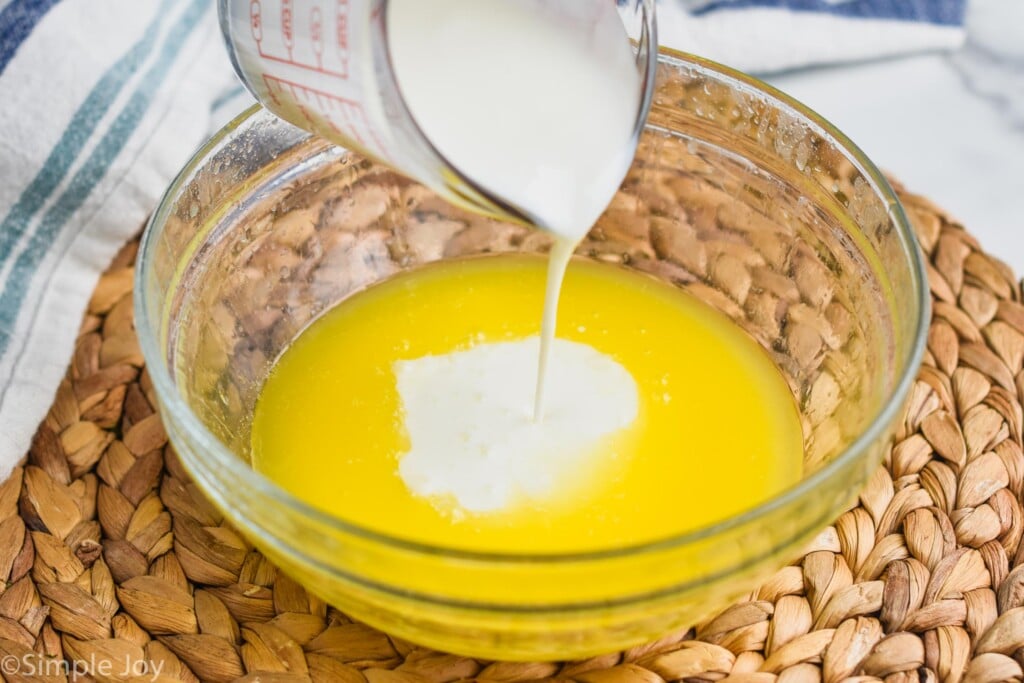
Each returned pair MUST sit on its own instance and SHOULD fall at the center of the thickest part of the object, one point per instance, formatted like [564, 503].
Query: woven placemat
[924, 581]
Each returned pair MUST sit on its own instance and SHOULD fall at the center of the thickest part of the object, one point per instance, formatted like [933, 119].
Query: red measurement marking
[340, 73]
[256, 20]
[341, 31]
[283, 50]
[267, 81]
[316, 34]
[286, 24]
[345, 117]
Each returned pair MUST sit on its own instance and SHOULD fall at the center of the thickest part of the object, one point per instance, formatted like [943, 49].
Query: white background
[949, 126]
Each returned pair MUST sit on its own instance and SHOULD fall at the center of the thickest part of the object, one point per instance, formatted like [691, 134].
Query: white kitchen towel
[767, 36]
[102, 101]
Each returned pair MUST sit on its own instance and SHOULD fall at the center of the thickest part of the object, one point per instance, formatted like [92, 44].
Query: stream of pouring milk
[534, 100]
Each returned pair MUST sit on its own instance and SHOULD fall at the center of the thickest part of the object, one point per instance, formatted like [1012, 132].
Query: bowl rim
[172, 402]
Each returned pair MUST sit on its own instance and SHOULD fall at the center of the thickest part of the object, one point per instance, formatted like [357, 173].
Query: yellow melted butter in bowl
[715, 431]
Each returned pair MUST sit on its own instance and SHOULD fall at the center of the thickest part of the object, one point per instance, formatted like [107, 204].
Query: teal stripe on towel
[226, 96]
[92, 171]
[81, 127]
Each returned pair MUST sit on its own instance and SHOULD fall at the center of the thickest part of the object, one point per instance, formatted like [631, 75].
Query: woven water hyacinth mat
[108, 554]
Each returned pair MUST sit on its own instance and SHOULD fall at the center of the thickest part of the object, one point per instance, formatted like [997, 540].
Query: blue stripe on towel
[942, 12]
[92, 171]
[75, 136]
[226, 96]
[17, 19]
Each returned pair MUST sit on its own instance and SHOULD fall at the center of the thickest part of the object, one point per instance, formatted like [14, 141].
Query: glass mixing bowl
[738, 195]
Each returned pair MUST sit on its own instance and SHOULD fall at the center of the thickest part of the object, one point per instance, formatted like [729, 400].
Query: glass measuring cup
[325, 66]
